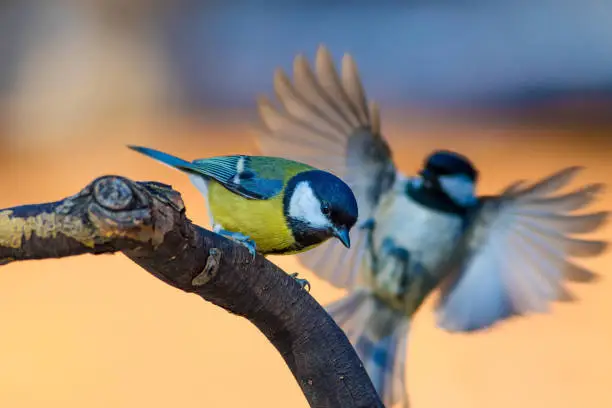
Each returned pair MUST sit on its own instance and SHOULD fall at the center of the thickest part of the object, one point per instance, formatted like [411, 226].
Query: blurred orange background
[97, 331]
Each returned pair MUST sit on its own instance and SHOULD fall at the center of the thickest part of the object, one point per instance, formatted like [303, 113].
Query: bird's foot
[240, 239]
[389, 248]
[393, 271]
[302, 282]
[367, 224]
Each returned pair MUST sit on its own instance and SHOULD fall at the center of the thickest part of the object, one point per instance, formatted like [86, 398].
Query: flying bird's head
[452, 174]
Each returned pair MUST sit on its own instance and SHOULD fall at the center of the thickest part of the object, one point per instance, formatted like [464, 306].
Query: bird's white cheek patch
[459, 188]
[305, 206]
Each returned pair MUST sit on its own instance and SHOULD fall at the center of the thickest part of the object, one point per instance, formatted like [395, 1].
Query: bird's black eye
[325, 209]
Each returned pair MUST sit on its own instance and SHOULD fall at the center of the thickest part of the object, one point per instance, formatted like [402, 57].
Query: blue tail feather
[166, 158]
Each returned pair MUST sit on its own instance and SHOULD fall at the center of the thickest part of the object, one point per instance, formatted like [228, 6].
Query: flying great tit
[491, 257]
[271, 205]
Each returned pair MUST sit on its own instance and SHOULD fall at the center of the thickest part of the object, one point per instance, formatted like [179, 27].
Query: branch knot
[210, 269]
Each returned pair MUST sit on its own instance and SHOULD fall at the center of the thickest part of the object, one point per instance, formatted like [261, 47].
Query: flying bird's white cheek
[305, 206]
[459, 188]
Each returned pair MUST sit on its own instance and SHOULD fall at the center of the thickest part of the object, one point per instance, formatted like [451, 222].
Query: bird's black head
[448, 180]
[318, 206]
[448, 163]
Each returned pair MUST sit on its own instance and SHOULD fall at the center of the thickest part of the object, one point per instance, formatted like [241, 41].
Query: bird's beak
[427, 176]
[343, 235]
[424, 173]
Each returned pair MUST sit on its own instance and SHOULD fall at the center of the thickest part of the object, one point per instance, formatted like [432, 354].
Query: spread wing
[234, 172]
[516, 253]
[324, 121]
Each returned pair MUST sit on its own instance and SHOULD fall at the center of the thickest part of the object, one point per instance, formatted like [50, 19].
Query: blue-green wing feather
[233, 172]
[238, 175]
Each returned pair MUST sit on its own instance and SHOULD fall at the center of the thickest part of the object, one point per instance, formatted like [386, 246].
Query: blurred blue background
[422, 52]
[65, 62]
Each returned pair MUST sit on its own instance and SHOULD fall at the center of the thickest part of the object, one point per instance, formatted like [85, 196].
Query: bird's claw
[304, 284]
[250, 245]
[241, 239]
[367, 224]
[389, 248]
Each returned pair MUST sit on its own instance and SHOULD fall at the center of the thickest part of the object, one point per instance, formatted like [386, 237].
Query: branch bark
[147, 222]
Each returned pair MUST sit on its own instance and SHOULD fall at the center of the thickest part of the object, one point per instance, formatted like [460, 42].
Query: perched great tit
[491, 257]
[271, 205]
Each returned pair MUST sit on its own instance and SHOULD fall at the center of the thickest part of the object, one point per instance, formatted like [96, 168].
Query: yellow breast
[262, 220]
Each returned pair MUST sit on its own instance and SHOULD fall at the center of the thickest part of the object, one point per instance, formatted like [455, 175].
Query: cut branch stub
[113, 193]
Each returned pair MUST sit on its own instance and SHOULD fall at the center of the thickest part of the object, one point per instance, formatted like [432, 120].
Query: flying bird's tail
[379, 335]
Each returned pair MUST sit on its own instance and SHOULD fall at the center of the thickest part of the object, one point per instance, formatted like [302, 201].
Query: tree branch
[146, 221]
